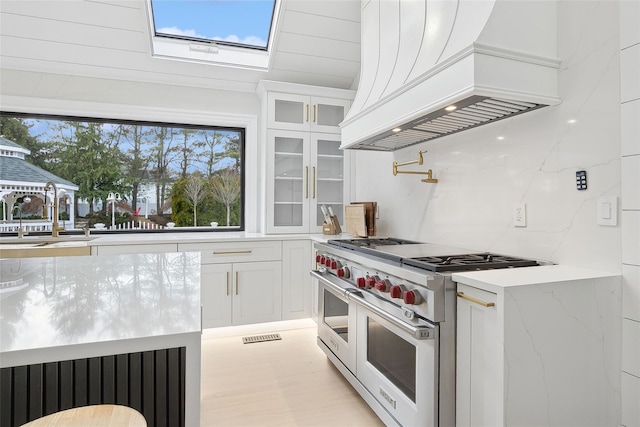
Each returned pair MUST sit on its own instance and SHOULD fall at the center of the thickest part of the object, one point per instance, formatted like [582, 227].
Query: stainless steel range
[386, 319]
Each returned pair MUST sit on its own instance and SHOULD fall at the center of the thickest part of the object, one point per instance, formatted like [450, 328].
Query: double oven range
[386, 319]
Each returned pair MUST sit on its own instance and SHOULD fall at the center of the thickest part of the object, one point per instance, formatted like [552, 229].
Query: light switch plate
[520, 215]
[608, 211]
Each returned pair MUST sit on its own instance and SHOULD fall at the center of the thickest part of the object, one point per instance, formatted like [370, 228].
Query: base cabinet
[538, 346]
[239, 294]
[296, 281]
[476, 359]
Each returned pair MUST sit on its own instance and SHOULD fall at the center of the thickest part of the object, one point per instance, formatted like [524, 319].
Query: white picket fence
[9, 227]
[133, 225]
[12, 227]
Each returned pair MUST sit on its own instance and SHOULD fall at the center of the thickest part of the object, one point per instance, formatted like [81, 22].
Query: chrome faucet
[55, 228]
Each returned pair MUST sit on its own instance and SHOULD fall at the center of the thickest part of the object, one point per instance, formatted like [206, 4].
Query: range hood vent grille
[469, 113]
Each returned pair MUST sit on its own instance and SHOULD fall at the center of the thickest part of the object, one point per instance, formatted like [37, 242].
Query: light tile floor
[276, 383]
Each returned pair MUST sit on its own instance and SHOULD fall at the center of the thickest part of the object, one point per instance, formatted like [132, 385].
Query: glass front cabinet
[306, 113]
[305, 167]
[305, 171]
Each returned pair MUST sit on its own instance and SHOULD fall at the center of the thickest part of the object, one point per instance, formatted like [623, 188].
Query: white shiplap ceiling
[317, 42]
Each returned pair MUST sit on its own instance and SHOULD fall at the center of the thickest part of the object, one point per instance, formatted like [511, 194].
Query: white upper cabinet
[305, 113]
[305, 167]
[304, 171]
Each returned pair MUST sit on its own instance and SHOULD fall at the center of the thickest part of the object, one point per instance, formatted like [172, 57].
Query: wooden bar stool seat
[94, 416]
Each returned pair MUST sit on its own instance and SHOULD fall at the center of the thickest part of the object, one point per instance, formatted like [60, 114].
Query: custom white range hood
[433, 68]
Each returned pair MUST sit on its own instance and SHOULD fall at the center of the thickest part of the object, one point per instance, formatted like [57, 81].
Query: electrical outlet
[520, 215]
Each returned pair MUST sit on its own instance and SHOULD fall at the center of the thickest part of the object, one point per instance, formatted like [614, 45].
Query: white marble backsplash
[531, 159]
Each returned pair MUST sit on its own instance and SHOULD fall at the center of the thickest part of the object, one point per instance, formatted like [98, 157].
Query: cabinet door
[288, 111]
[215, 293]
[288, 182]
[329, 171]
[300, 112]
[257, 292]
[476, 360]
[326, 114]
[296, 281]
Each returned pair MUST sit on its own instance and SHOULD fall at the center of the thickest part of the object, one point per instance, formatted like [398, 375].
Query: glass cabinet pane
[330, 178]
[288, 181]
[330, 115]
[289, 111]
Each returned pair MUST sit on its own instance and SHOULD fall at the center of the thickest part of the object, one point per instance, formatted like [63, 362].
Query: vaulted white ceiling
[317, 42]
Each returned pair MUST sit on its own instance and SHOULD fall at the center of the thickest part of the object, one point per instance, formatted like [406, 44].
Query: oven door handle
[337, 289]
[418, 332]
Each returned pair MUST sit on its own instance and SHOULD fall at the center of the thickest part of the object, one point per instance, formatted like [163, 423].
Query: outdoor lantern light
[112, 197]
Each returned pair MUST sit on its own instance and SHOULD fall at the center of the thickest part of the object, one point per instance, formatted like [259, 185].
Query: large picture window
[119, 176]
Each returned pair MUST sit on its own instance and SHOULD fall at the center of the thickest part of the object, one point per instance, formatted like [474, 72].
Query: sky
[238, 21]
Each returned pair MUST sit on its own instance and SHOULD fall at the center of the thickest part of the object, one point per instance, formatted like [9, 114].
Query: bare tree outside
[226, 189]
[194, 191]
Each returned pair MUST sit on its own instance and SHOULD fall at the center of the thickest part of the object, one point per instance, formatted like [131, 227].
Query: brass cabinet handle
[231, 252]
[236, 283]
[227, 283]
[314, 114]
[314, 182]
[306, 182]
[475, 300]
[307, 112]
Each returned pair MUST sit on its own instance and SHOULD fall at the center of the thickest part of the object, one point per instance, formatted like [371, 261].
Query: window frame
[209, 51]
[242, 130]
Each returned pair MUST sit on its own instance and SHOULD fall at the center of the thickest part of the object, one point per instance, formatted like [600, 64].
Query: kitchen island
[86, 330]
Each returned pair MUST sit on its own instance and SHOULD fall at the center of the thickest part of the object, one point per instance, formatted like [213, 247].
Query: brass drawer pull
[227, 283]
[307, 112]
[236, 283]
[231, 252]
[475, 300]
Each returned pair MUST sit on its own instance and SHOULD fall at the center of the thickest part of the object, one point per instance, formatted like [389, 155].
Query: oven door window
[336, 315]
[393, 357]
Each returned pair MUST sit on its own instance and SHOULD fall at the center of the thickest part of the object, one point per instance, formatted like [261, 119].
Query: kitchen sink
[45, 246]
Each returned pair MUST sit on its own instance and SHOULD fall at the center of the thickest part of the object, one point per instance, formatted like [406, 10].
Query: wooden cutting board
[355, 220]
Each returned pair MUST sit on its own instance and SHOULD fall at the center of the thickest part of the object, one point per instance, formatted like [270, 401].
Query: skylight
[231, 32]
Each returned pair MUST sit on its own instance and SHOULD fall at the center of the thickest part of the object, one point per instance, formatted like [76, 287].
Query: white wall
[482, 177]
[630, 132]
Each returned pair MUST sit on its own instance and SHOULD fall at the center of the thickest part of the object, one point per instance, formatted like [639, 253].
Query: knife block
[331, 228]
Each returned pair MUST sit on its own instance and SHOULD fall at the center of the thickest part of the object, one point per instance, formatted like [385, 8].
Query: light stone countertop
[70, 301]
[201, 237]
[498, 280]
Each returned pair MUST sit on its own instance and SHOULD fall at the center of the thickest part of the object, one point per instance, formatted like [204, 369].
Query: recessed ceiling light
[571, 121]
[396, 130]
[451, 108]
[501, 138]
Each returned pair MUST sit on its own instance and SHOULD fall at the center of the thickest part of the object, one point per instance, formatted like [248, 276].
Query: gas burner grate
[261, 338]
[370, 242]
[480, 261]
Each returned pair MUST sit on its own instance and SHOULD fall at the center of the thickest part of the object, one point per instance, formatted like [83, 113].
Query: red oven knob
[321, 260]
[335, 265]
[361, 282]
[343, 272]
[412, 297]
[383, 285]
[370, 281]
[327, 262]
[318, 257]
[396, 291]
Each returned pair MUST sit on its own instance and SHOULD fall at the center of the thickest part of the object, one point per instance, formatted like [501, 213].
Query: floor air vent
[261, 338]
